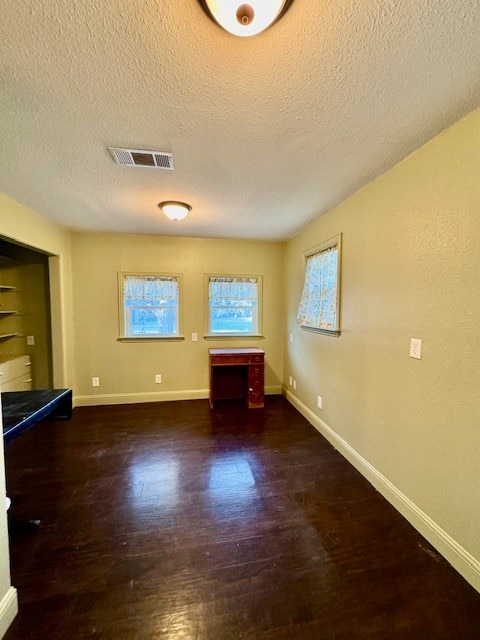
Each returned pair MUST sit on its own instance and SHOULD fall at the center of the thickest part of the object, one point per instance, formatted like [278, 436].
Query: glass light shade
[175, 210]
[245, 17]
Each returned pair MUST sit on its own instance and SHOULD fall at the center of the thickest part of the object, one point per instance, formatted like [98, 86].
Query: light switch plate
[30, 341]
[416, 348]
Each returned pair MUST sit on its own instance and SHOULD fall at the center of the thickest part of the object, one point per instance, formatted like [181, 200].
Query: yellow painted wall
[127, 369]
[410, 268]
[22, 225]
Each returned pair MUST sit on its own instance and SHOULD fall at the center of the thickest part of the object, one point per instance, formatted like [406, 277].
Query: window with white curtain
[149, 305]
[319, 307]
[234, 305]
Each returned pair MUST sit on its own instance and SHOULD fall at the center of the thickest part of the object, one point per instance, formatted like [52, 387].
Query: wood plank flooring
[172, 521]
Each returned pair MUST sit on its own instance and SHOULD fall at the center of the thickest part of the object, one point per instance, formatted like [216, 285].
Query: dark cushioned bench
[22, 409]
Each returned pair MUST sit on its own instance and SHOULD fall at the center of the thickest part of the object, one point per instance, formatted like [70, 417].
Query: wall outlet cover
[416, 348]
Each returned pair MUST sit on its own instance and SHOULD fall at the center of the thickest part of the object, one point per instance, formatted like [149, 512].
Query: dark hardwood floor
[173, 521]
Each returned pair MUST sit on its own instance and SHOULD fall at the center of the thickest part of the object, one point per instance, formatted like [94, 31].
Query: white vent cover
[142, 158]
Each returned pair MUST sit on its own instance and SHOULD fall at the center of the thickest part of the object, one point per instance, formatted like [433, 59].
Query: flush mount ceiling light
[175, 210]
[245, 18]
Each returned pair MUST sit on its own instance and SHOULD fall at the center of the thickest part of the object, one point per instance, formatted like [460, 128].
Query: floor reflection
[155, 482]
[231, 488]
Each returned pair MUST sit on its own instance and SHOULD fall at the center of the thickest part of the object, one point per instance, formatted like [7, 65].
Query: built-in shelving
[4, 313]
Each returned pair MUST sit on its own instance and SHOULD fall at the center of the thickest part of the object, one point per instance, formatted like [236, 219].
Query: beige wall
[22, 225]
[126, 369]
[35, 289]
[411, 268]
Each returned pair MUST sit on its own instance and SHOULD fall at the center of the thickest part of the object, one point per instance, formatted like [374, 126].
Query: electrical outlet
[416, 348]
[290, 380]
[158, 378]
[194, 337]
[95, 382]
[30, 341]
[294, 384]
[320, 402]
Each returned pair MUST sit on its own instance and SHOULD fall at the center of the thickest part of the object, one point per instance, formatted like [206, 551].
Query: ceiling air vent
[142, 158]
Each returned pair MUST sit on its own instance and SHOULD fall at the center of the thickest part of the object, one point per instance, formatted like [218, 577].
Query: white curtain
[223, 288]
[150, 288]
[318, 304]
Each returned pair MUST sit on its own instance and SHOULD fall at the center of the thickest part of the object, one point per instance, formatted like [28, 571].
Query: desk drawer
[256, 399]
[255, 384]
[226, 360]
[257, 358]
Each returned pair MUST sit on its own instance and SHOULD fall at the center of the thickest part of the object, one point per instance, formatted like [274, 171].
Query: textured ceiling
[267, 133]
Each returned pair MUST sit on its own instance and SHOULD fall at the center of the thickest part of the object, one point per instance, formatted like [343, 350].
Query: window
[149, 305]
[320, 302]
[234, 305]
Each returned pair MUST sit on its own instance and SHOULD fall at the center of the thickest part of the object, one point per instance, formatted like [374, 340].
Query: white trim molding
[152, 396]
[8, 610]
[134, 398]
[450, 549]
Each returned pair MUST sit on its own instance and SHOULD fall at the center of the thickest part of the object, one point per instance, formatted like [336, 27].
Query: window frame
[336, 241]
[258, 333]
[123, 337]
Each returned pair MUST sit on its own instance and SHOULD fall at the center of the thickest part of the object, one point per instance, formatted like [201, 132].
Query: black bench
[23, 409]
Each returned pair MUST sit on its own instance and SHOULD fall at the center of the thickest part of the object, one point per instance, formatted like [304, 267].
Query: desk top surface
[235, 351]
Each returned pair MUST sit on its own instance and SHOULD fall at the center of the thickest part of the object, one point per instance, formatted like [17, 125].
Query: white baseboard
[134, 398]
[8, 610]
[457, 556]
[152, 396]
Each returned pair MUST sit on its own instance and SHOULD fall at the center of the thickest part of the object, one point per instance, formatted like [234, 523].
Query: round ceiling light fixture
[245, 18]
[175, 210]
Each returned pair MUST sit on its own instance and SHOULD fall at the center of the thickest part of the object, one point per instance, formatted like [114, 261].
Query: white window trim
[336, 241]
[237, 336]
[121, 308]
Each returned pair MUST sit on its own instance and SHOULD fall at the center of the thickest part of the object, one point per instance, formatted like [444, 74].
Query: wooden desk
[237, 373]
